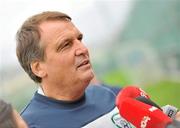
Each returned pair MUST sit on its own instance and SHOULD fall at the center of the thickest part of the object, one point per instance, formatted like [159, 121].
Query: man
[9, 118]
[51, 51]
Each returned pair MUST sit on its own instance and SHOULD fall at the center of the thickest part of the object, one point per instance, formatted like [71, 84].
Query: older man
[50, 49]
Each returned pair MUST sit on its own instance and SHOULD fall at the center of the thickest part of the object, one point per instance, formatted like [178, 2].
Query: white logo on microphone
[143, 93]
[152, 109]
[145, 121]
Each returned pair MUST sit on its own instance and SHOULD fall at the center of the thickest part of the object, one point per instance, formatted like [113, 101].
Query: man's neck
[61, 94]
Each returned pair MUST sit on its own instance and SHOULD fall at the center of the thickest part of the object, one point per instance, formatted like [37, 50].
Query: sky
[97, 19]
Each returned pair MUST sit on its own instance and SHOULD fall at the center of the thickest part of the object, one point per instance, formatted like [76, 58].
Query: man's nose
[81, 49]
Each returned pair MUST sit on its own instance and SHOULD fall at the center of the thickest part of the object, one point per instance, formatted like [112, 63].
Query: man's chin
[88, 77]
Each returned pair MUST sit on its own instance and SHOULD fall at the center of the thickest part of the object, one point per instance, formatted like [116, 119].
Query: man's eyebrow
[60, 42]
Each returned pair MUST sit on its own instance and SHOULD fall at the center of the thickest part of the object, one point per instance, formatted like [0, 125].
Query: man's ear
[38, 69]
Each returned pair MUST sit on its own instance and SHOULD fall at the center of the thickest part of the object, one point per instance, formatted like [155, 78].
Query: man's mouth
[84, 62]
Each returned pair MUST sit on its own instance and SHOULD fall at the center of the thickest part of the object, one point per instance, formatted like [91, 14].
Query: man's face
[67, 61]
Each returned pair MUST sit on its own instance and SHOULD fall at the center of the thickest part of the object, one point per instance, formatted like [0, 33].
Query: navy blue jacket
[96, 109]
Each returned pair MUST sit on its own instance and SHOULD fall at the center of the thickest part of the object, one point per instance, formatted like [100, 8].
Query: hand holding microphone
[136, 107]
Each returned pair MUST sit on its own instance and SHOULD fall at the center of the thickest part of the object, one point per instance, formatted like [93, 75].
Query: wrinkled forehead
[51, 28]
[50, 31]
[50, 25]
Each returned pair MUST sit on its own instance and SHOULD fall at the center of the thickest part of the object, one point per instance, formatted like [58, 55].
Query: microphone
[148, 101]
[142, 115]
[136, 107]
[169, 110]
[131, 92]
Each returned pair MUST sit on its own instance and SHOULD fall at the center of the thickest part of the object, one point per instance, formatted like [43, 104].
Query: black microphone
[147, 101]
[169, 110]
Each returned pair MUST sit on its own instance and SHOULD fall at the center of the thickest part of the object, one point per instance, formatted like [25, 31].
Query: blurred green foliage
[165, 92]
[20, 93]
[117, 77]
[162, 92]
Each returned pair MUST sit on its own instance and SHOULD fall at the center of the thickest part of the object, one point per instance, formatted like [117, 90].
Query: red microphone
[130, 92]
[140, 114]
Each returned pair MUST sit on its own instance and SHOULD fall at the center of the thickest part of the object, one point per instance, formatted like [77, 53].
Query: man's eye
[67, 44]
[80, 37]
